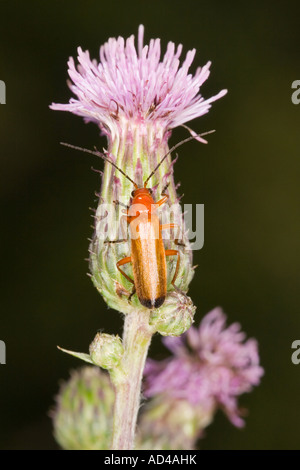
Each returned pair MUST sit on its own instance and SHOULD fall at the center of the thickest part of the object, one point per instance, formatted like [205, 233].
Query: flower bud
[175, 317]
[171, 424]
[83, 415]
[106, 351]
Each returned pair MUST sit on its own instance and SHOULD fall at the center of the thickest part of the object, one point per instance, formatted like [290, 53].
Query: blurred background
[247, 177]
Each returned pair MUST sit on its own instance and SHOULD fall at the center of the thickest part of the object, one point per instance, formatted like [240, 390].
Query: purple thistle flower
[137, 98]
[129, 84]
[211, 367]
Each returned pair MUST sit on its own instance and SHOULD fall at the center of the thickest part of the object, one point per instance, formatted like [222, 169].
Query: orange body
[147, 250]
[148, 254]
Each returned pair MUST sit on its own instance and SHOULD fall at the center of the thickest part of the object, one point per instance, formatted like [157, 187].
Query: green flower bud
[83, 415]
[175, 317]
[106, 350]
[171, 424]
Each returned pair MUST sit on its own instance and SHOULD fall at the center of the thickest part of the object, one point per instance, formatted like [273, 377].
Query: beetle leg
[179, 243]
[169, 226]
[130, 218]
[173, 253]
[162, 200]
[166, 226]
[132, 293]
[120, 263]
[170, 253]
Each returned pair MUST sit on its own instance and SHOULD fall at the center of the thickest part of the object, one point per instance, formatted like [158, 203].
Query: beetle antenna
[172, 150]
[101, 155]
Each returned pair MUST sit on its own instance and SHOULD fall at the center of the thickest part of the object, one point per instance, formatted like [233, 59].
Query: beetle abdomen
[149, 264]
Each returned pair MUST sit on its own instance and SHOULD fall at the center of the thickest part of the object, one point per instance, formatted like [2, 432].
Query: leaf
[82, 356]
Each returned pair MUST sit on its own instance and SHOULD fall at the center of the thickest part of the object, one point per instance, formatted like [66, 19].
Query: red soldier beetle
[148, 254]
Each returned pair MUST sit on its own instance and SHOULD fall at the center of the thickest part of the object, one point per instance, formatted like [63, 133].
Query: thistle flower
[83, 414]
[135, 86]
[170, 424]
[136, 99]
[210, 368]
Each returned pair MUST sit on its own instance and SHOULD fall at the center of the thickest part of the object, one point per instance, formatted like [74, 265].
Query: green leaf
[83, 356]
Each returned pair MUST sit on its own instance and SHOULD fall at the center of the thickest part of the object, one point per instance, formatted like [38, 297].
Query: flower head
[211, 367]
[83, 414]
[135, 84]
[137, 98]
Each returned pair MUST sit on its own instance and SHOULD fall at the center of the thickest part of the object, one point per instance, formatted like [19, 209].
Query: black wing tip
[153, 303]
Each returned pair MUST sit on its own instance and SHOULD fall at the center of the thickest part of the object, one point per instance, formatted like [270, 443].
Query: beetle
[148, 254]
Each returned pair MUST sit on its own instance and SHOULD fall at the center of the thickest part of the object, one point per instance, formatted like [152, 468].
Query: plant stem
[127, 380]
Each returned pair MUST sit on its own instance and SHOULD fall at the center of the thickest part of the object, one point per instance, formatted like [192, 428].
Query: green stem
[127, 380]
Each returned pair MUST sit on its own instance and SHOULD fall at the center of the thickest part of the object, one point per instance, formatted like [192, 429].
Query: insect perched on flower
[137, 99]
[148, 254]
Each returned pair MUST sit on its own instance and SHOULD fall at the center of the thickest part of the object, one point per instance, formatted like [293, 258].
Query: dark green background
[247, 177]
